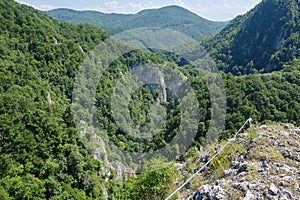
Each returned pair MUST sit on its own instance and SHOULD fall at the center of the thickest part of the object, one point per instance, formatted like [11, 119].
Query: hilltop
[171, 17]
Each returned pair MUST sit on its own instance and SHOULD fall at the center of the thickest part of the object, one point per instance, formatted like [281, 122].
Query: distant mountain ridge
[170, 17]
[263, 40]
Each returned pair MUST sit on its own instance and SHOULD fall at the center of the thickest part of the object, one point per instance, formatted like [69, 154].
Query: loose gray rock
[228, 172]
[288, 194]
[263, 127]
[249, 196]
[234, 165]
[204, 158]
[189, 198]
[288, 179]
[286, 126]
[243, 168]
[240, 186]
[286, 169]
[265, 162]
[273, 190]
[286, 154]
[284, 134]
[297, 131]
[209, 192]
[297, 158]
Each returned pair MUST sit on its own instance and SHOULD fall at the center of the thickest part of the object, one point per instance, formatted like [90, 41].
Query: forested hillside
[42, 155]
[262, 40]
[263, 46]
[171, 17]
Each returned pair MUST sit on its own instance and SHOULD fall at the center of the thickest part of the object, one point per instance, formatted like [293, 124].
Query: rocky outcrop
[208, 192]
[269, 169]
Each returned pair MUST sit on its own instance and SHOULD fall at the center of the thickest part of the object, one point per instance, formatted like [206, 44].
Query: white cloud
[115, 7]
[179, 3]
[111, 3]
[26, 3]
[210, 9]
[46, 7]
[38, 7]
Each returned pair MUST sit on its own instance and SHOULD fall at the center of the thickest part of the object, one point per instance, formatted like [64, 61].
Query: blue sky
[209, 9]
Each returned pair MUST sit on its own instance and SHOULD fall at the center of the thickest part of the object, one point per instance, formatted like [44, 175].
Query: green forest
[171, 17]
[43, 156]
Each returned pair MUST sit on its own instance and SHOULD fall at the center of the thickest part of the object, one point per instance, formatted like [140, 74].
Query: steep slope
[171, 17]
[266, 168]
[262, 40]
[41, 154]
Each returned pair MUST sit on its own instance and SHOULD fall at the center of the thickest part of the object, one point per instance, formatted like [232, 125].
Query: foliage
[262, 40]
[263, 97]
[222, 161]
[171, 17]
[42, 155]
[156, 183]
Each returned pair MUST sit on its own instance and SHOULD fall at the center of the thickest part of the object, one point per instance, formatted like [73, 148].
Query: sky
[217, 10]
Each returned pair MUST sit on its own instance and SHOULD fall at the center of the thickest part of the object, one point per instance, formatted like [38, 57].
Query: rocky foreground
[268, 169]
